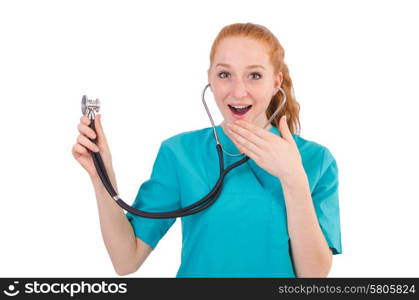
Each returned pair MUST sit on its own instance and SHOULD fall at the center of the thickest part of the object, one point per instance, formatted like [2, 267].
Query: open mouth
[239, 110]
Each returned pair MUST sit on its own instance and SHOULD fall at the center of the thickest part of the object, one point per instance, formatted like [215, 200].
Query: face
[242, 80]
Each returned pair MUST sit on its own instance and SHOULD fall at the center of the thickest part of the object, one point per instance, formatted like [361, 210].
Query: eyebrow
[249, 67]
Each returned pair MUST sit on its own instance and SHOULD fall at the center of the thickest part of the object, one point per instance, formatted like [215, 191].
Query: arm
[311, 254]
[127, 252]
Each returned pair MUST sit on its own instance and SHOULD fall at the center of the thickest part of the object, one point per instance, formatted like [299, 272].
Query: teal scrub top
[244, 233]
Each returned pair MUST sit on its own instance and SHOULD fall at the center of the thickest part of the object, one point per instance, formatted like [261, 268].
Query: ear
[278, 82]
[278, 79]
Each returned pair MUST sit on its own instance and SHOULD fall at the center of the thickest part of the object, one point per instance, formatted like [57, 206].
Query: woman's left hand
[277, 155]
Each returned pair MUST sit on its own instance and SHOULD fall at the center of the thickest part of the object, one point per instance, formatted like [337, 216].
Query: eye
[258, 74]
[220, 74]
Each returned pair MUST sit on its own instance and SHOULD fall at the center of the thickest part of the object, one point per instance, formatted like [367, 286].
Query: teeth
[240, 106]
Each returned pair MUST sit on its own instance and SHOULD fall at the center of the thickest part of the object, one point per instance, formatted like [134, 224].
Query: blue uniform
[244, 233]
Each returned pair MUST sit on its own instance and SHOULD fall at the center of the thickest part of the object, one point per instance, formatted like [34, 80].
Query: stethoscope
[91, 107]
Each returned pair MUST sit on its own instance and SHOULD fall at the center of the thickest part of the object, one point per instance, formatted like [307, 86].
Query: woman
[278, 214]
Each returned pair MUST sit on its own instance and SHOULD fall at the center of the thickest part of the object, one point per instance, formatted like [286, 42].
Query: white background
[354, 65]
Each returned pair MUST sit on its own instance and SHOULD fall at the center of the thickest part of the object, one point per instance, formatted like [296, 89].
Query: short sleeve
[160, 193]
[326, 202]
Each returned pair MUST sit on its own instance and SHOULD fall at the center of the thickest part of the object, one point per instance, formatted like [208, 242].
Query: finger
[245, 146]
[99, 128]
[248, 134]
[78, 150]
[284, 129]
[260, 132]
[83, 140]
[85, 120]
[86, 130]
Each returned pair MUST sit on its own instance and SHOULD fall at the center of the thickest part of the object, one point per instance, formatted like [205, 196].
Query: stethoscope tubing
[185, 211]
[194, 208]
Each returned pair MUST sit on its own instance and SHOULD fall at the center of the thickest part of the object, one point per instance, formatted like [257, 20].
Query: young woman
[277, 215]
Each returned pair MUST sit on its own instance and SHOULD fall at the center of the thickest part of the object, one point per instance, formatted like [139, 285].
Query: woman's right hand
[81, 149]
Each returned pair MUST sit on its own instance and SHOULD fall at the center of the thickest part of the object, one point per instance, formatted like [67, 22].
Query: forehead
[239, 51]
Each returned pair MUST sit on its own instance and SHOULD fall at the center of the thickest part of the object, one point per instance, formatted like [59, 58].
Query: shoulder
[188, 139]
[312, 151]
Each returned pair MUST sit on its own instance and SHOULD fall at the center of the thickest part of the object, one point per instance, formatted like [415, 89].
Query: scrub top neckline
[228, 144]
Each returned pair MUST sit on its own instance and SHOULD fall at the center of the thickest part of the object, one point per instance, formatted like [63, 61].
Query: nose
[239, 89]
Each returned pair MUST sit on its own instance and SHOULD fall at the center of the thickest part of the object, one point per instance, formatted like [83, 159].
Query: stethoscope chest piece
[89, 106]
